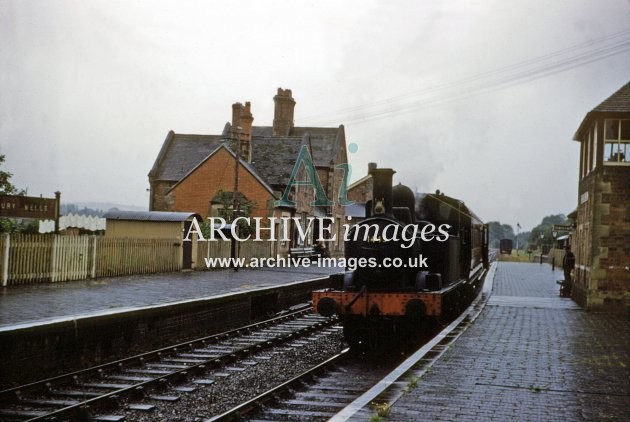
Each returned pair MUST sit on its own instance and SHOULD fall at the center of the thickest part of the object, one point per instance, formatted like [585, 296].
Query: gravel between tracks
[226, 393]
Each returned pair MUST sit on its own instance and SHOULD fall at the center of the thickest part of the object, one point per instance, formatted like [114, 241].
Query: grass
[382, 411]
[521, 257]
[413, 382]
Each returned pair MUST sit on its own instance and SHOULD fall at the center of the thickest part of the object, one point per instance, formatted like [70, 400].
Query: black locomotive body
[418, 259]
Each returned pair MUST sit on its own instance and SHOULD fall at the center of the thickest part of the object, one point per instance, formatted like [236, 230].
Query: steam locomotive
[419, 259]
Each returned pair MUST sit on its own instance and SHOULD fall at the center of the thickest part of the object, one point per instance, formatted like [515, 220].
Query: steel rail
[237, 412]
[445, 335]
[81, 409]
[437, 345]
[218, 336]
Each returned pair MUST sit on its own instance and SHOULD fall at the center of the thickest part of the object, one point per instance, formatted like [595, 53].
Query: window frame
[622, 156]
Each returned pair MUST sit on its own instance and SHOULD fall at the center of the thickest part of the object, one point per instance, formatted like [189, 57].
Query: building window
[617, 141]
[594, 164]
[587, 156]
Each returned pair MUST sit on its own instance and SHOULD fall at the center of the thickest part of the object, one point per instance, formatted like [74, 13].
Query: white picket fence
[221, 249]
[36, 258]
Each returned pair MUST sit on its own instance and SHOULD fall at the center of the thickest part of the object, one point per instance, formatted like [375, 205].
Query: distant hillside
[96, 209]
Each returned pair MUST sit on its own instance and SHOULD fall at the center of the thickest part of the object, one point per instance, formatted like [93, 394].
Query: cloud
[90, 89]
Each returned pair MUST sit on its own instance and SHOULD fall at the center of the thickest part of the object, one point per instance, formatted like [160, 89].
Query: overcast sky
[479, 99]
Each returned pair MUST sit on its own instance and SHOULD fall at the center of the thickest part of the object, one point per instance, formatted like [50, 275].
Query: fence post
[93, 272]
[53, 272]
[5, 260]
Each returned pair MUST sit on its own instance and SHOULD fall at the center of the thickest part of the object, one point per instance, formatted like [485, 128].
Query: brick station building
[194, 172]
[601, 241]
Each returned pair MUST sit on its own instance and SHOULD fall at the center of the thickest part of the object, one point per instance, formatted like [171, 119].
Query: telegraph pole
[235, 201]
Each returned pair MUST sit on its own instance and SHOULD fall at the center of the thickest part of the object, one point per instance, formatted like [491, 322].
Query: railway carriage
[422, 258]
[505, 246]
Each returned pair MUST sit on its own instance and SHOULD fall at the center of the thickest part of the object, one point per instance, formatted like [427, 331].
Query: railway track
[108, 392]
[340, 388]
[316, 394]
[196, 372]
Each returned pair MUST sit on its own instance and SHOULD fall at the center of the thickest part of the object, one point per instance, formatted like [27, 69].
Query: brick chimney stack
[246, 132]
[237, 110]
[283, 112]
[242, 117]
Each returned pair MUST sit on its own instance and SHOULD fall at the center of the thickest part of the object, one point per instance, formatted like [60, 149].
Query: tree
[6, 187]
[498, 231]
[9, 225]
[226, 211]
[545, 229]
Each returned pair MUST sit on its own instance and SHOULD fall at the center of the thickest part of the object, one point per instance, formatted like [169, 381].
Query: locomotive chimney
[382, 191]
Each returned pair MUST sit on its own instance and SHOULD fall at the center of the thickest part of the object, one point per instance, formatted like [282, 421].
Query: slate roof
[181, 153]
[244, 163]
[273, 157]
[619, 102]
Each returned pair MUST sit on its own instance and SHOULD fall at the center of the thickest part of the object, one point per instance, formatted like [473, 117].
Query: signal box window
[617, 141]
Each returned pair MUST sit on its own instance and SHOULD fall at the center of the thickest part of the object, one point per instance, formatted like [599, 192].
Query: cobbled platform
[42, 303]
[530, 356]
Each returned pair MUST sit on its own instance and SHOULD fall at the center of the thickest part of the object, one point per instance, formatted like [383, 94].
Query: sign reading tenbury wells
[27, 207]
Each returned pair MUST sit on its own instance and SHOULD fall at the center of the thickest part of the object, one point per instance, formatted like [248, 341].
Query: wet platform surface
[530, 356]
[43, 303]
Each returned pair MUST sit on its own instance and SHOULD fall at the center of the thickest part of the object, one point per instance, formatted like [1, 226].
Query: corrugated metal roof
[150, 216]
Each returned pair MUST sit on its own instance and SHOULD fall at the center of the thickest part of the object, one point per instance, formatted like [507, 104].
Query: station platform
[530, 355]
[50, 329]
[28, 305]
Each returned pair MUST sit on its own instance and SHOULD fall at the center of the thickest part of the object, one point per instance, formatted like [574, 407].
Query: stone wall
[602, 243]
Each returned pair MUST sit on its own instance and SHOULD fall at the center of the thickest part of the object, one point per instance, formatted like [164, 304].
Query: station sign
[562, 227]
[18, 206]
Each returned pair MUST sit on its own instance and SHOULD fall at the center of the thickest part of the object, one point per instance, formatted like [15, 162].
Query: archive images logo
[369, 231]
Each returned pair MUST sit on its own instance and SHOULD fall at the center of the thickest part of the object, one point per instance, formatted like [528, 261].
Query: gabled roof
[362, 180]
[273, 157]
[619, 102]
[244, 164]
[180, 153]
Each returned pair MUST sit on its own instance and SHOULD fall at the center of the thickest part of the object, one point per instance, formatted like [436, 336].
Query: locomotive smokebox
[381, 191]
